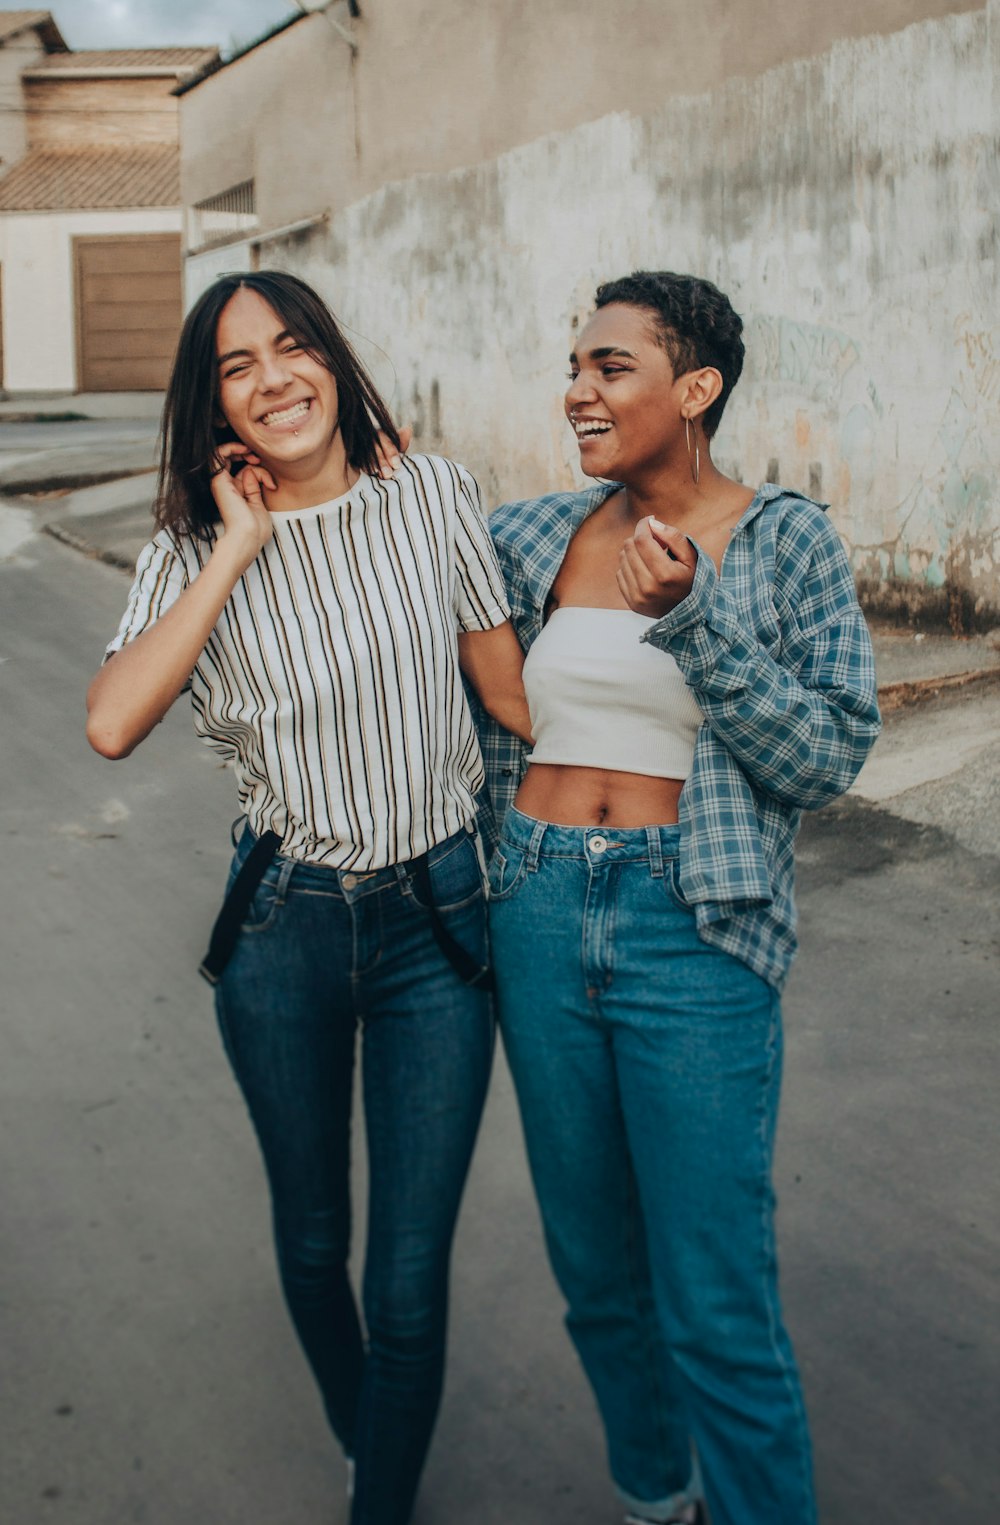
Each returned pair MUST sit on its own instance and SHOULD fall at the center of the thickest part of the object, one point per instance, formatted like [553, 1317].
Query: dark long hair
[696, 323]
[193, 425]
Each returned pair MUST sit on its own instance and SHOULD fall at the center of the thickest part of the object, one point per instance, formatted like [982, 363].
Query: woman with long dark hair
[698, 673]
[320, 616]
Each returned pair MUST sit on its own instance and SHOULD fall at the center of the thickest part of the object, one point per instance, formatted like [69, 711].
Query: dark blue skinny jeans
[322, 951]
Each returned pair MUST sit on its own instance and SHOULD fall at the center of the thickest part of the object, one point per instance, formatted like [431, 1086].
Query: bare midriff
[573, 796]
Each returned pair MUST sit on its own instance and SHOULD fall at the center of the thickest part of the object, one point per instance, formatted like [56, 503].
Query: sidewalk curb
[902, 695]
[92, 552]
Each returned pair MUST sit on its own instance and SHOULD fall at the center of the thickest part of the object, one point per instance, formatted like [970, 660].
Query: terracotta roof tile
[56, 180]
[181, 59]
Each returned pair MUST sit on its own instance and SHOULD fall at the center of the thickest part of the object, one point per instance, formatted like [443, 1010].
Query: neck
[670, 493]
[304, 484]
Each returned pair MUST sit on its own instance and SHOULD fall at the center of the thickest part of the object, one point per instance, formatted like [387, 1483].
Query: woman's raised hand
[656, 568]
[388, 455]
[247, 524]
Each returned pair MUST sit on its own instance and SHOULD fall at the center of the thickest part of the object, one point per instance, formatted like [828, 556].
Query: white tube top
[601, 698]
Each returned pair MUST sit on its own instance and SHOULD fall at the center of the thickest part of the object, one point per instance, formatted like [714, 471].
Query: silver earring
[695, 461]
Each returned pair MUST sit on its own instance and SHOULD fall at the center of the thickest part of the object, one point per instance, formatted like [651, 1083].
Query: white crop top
[601, 698]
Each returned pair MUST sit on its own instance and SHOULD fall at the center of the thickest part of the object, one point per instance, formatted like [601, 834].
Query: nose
[578, 392]
[274, 372]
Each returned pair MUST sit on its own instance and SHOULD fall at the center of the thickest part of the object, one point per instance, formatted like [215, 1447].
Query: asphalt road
[148, 1370]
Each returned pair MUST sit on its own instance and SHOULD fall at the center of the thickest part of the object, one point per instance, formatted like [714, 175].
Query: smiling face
[623, 401]
[276, 396]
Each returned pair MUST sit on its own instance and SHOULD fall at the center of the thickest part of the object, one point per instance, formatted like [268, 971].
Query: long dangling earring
[693, 461]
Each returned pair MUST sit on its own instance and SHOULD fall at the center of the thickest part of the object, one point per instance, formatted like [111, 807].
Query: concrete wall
[39, 321]
[846, 200]
[435, 87]
[295, 138]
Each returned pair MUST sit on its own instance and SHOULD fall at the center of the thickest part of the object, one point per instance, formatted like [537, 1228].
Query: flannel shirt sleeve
[800, 725]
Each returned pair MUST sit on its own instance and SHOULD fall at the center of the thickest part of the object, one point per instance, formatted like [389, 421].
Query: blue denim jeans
[647, 1066]
[320, 952]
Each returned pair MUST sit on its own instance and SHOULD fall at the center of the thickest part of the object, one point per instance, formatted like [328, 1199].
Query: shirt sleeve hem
[484, 619]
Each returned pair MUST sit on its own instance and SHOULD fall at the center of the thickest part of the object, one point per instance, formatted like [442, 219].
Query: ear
[701, 388]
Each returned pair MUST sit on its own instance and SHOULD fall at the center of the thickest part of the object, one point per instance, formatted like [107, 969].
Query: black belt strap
[235, 906]
[237, 903]
[460, 959]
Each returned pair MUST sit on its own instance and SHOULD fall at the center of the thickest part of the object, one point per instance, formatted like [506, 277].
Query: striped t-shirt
[331, 678]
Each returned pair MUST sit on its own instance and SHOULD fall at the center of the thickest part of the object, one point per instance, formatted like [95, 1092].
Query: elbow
[107, 740]
[834, 781]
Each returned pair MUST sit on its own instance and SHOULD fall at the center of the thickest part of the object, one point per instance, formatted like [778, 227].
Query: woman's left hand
[386, 452]
[656, 568]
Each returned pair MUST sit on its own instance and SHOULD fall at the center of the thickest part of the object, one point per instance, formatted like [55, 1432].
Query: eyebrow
[605, 352]
[234, 354]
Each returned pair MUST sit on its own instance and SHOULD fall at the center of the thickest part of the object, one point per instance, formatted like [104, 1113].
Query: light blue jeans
[647, 1066]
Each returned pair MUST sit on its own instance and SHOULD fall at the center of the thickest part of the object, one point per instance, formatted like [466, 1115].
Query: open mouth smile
[293, 414]
[590, 428]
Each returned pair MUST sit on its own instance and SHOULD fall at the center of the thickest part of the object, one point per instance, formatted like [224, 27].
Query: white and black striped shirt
[331, 678]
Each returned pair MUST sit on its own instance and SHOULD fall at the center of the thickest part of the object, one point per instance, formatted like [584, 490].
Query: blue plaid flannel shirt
[778, 656]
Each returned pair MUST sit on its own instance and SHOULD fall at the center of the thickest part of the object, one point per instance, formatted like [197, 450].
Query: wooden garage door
[128, 303]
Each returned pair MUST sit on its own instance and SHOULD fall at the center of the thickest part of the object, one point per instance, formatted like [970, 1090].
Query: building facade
[458, 179]
[90, 217]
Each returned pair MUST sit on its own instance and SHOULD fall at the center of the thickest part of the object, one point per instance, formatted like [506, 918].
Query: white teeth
[286, 415]
[585, 426]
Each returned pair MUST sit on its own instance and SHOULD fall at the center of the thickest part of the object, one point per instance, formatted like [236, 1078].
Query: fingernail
[395, 462]
[656, 523]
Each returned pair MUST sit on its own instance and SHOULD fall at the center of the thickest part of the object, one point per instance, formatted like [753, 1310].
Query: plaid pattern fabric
[777, 653]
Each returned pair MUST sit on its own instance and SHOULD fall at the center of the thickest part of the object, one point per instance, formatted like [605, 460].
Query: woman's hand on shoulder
[386, 452]
[246, 523]
[656, 568]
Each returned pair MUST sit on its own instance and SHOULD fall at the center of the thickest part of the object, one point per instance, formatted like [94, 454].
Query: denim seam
[644, 1315]
[768, 1244]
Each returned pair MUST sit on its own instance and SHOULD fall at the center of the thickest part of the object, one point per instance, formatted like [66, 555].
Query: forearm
[134, 689]
[509, 709]
[492, 661]
[800, 731]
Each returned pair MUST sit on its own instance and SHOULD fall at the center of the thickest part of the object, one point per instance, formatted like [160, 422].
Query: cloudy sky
[165, 23]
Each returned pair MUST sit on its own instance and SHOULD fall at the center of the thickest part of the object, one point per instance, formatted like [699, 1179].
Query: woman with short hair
[698, 672]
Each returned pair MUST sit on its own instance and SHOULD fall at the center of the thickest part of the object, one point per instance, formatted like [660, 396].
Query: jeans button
[348, 881]
[598, 844]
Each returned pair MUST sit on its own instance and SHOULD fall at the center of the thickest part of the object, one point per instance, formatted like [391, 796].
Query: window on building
[230, 215]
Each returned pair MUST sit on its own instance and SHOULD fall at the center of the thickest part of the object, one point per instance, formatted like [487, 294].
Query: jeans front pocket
[268, 898]
[506, 871]
[456, 876]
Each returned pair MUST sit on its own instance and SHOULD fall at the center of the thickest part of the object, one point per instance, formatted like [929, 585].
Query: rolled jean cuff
[660, 1510]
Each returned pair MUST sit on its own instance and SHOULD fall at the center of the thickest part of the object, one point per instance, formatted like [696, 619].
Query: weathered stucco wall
[846, 201]
[282, 116]
[436, 87]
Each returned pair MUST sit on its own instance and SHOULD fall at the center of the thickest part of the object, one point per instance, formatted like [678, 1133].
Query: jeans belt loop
[655, 845]
[288, 868]
[535, 845]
